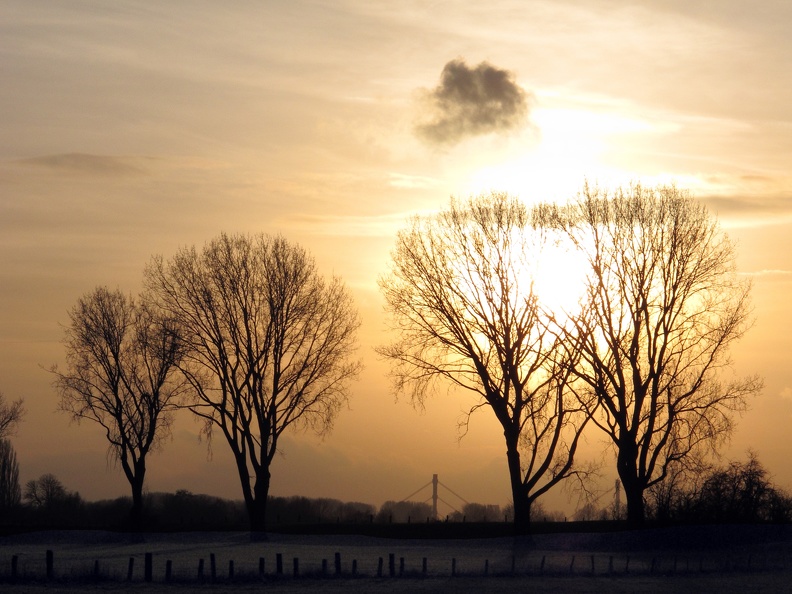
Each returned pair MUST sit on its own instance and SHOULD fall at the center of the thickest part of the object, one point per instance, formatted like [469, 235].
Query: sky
[131, 129]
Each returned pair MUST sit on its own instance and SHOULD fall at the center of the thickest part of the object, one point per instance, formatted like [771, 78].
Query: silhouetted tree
[590, 512]
[11, 414]
[52, 502]
[186, 510]
[672, 498]
[541, 514]
[121, 356]
[268, 343]
[664, 305]
[402, 512]
[296, 509]
[10, 492]
[479, 512]
[45, 492]
[461, 294]
[741, 492]
[355, 512]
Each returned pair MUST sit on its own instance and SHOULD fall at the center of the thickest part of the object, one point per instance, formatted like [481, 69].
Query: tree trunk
[257, 507]
[135, 472]
[636, 513]
[136, 512]
[522, 505]
[626, 464]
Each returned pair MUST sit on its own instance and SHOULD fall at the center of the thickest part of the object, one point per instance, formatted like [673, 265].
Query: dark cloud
[84, 163]
[471, 102]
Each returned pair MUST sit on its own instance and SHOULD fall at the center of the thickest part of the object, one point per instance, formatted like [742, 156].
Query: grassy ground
[721, 583]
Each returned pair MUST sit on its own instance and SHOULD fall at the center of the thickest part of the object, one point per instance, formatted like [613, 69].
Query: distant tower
[434, 496]
[617, 500]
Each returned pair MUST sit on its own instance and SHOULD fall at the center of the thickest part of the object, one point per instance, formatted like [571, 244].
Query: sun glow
[559, 279]
[569, 146]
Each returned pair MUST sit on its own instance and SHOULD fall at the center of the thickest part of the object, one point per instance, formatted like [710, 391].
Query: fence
[161, 568]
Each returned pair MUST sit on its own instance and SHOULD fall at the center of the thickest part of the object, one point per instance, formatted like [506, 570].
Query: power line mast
[434, 496]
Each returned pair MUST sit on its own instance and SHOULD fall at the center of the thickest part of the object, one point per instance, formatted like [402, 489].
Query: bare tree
[10, 492]
[664, 305]
[53, 503]
[461, 294]
[121, 356]
[268, 342]
[45, 491]
[740, 492]
[11, 414]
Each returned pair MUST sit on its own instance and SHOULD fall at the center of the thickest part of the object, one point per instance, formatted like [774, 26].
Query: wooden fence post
[130, 568]
[168, 570]
[261, 567]
[424, 566]
[200, 569]
[212, 567]
[391, 564]
[379, 568]
[453, 566]
[401, 566]
[279, 563]
[338, 563]
[230, 569]
[14, 564]
[296, 566]
[149, 569]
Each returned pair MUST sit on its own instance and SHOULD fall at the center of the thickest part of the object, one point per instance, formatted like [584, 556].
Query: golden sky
[132, 128]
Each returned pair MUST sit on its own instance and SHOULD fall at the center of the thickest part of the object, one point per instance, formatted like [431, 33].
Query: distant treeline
[57, 508]
[740, 492]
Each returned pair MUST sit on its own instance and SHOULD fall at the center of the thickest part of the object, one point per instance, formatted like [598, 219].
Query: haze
[133, 128]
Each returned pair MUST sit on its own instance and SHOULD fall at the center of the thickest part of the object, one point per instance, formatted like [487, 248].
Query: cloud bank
[471, 102]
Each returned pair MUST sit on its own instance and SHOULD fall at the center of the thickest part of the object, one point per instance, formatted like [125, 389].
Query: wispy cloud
[769, 273]
[751, 211]
[471, 101]
[85, 163]
[411, 182]
[352, 226]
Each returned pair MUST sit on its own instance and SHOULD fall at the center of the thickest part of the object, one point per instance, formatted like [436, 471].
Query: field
[724, 559]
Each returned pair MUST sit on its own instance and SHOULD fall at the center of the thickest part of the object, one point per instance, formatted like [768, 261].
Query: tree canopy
[267, 345]
[663, 305]
[462, 302]
[121, 356]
